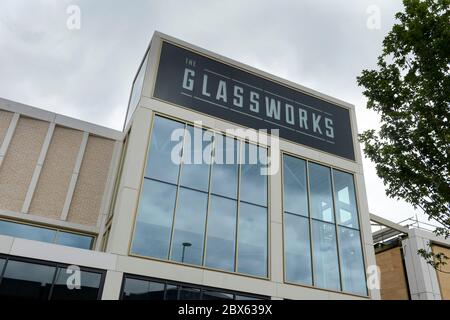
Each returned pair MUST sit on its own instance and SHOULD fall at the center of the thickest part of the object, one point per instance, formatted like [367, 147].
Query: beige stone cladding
[20, 161]
[88, 194]
[51, 190]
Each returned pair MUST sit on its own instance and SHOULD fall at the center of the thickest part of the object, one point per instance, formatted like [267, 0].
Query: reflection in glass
[188, 293]
[25, 231]
[159, 164]
[89, 289]
[154, 220]
[252, 240]
[216, 295]
[23, 280]
[353, 276]
[171, 292]
[297, 253]
[253, 183]
[224, 179]
[320, 192]
[196, 158]
[344, 191]
[244, 297]
[189, 229]
[220, 247]
[142, 289]
[326, 272]
[155, 291]
[295, 190]
[74, 240]
[135, 289]
[2, 264]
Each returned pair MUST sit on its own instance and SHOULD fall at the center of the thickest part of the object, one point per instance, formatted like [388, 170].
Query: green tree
[411, 92]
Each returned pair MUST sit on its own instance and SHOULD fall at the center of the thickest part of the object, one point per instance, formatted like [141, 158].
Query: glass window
[188, 293]
[171, 292]
[205, 197]
[353, 276]
[154, 221]
[326, 267]
[295, 190]
[135, 289]
[156, 290]
[327, 251]
[344, 191]
[224, 180]
[297, 252]
[89, 288]
[320, 192]
[136, 90]
[196, 158]
[252, 240]
[189, 230]
[253, 183]
[74, 240]
[216, 295]
[27, 231]
[23, 280]
[245, 297]
[152, 289]
[2, 264]
[221, 234]
[159, 164]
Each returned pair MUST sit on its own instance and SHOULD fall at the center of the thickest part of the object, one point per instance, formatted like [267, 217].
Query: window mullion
[336, 229]
[238, 206]
[311, 245]
[177, 193]
[208, 204]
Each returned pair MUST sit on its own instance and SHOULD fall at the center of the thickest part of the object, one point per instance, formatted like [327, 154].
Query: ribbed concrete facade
[54, 169]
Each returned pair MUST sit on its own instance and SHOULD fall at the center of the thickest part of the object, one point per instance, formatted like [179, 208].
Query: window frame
[335, 223]
[94, 237]
[241, 144]
[56, 265]
[180, 285]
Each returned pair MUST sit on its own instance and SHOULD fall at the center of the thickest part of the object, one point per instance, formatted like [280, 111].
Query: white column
[112, 285]
[38, 168]
[8, 136]
[74, 178]
[130, 184]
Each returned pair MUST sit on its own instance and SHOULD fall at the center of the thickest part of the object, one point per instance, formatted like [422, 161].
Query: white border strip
[74, 178]
[8, 136]
[37, 170]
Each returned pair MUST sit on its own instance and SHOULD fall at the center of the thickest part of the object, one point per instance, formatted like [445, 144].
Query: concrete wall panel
[87, 198]
[444, 274]
[393, 278]
[20, 162]
[51, 190]
[5, 120]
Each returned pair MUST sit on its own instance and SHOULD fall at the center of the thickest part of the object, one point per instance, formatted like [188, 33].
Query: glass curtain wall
[203, 201]
[322, 245]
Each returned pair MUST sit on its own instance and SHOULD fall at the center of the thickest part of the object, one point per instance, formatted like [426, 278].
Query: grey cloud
[88, 73]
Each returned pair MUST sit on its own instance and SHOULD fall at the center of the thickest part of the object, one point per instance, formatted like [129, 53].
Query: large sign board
[194, 81]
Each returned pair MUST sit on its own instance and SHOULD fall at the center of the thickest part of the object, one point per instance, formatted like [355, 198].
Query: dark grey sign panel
[199, 83]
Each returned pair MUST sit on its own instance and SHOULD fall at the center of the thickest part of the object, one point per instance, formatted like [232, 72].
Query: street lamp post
[184, 244]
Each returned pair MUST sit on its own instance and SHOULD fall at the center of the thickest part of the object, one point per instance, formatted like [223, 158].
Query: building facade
[189, 201]
[404, 274]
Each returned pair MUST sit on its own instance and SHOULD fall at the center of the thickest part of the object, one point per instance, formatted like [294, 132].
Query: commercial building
[404, 274]
[185, 202]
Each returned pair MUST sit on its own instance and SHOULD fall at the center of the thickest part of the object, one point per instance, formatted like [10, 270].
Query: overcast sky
[87, 73]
